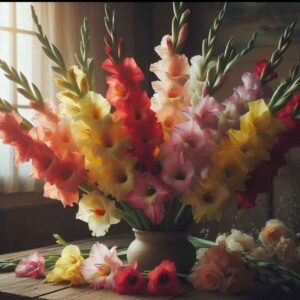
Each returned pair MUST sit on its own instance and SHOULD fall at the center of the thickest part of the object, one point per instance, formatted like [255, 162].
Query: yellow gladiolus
[209, 199]
[94, 109]
[115, 177]
[227, 166]
[248, 146]
[67, 267]
[261, 118]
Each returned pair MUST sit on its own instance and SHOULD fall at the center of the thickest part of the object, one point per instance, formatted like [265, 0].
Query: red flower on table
[129, 280]
[163, 280]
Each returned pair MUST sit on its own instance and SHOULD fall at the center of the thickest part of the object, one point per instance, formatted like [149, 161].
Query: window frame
[14, 30]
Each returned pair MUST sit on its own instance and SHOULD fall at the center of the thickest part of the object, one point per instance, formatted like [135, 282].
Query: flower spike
[276, 57]
[179, 25]
[113, 48]
[31, 93]
[54, 54]
[86, 63]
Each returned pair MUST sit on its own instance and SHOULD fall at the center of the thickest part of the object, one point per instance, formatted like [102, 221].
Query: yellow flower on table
[209, 199]
[67, 267]
[98, 212]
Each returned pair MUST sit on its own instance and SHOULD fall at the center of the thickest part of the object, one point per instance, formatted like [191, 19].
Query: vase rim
[159, 232]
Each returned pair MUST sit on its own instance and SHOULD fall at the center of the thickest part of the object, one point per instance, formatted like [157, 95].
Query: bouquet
[161, 162]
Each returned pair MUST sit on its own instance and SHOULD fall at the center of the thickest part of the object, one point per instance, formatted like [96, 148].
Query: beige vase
[150, 248]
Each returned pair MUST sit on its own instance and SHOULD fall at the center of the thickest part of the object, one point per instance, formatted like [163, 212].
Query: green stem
[127, 218]
[133, 216]
[170, 214]
[179, 215]
[144, 220]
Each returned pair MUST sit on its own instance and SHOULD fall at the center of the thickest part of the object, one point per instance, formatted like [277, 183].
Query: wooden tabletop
[12, 287]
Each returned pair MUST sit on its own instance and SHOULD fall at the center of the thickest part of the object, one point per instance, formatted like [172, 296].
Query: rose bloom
[207, 277]
[273, 232]
[223, 271]
[239, 241]
[261, 254]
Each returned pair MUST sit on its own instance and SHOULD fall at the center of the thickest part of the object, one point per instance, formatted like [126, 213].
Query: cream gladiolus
[98, 212]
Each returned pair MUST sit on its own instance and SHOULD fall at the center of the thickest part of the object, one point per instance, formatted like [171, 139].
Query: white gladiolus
[196, 82]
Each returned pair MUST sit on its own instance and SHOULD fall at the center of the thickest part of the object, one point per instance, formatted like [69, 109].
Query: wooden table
[12, 287]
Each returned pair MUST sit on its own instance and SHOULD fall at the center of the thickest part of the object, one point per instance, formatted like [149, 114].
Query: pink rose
[223, 271]
[207, 277]
[33, 266]
[220, 257]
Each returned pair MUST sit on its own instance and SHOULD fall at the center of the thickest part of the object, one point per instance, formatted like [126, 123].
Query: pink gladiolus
[251, 89]
[175, 68]
[150, 194]
[196, 143]
[101, 266]
[33, 266]
[165, 49]
[206, 112]
[178, 171]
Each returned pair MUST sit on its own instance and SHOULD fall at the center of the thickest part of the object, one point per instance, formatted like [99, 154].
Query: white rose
[221, 239]
[200, 254]
[238, 241]
[261, 254]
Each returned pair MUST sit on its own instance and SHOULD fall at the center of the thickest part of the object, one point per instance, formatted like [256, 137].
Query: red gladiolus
[132, 105]
[163, 280]
[129, 281]
[11, 133]
[260, 66]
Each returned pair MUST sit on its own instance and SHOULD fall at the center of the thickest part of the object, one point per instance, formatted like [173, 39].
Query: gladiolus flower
[206, 112]
[208, 199]
[67, 267]
[163, 279]
[129, 280]
[98, 212]
[33, 266]
[178, 171]
[115, 177]
[101, 266]
[12, 134]
[150, 194]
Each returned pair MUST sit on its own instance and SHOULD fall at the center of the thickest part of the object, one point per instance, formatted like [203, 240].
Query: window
[16, 36]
